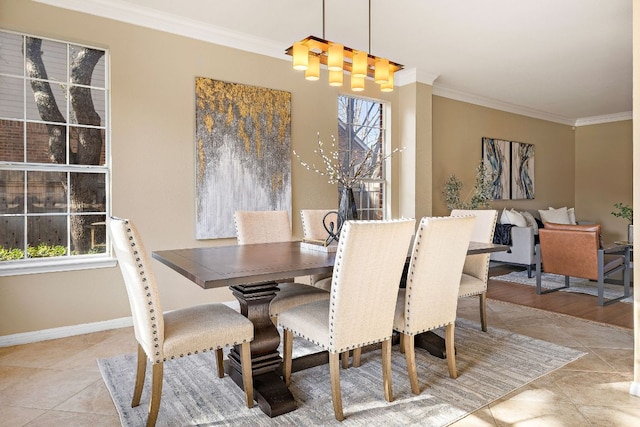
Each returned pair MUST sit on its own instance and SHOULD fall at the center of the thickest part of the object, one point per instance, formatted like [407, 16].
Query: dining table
[252, 272]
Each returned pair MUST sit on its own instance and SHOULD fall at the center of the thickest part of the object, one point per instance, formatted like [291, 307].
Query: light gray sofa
[522, 250]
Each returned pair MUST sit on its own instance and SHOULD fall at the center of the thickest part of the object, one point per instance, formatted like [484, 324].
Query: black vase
[347, 208]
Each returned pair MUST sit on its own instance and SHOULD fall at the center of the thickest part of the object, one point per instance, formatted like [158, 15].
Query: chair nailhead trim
[411, 278]
[204, 350]
[150, 304]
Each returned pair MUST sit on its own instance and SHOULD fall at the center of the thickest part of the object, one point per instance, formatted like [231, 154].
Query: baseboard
[63, 332]
[69, 331]
[635, 389]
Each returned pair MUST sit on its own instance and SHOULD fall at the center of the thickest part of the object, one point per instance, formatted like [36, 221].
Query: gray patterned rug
[490, 365]
[577, 285]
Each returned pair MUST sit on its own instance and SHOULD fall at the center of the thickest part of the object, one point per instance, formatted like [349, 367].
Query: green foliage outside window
[44, 251]
[41, 251]
[11, 254]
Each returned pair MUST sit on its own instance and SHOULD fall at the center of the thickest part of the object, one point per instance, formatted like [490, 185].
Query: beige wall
[458, 128]
[604, 169]
[153, 155]
[153, 126]
[589, 168]
[413, 127]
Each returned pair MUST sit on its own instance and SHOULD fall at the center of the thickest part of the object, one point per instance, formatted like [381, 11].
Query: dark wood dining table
[252, 273]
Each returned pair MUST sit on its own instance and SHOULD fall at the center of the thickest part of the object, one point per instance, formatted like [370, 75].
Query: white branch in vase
[338, 174]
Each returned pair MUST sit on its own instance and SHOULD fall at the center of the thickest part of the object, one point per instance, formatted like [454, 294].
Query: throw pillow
[531, 221]
[504, 217]
[515, 218]
[557, 216]
[572, 214]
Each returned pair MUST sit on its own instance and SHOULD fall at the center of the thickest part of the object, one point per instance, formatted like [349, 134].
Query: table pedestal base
[272, 395]
[431, 342]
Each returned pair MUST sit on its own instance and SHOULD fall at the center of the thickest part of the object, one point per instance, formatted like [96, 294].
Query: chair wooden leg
[247, 374]
[344, 356]
[287, 353]
[410, 356]
[401, 342]
[483, 311]
[219, 363]
[451, 350]
[357, 352]
[336, 396]
[140, 373]
[386, 370]
[156, 394]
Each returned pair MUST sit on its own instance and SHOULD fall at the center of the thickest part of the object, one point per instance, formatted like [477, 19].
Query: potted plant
[625, 212]
[479, 197]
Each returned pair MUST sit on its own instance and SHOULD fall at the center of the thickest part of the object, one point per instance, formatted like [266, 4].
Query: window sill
[50, 266]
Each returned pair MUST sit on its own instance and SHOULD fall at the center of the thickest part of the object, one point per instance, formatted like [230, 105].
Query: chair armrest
[523, 237]
[522, 248]
[611, 248]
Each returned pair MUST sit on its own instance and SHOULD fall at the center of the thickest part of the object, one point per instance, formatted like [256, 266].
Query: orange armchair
[576, 251]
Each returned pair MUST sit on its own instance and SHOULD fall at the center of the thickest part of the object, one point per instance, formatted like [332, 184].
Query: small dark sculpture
[334, 232]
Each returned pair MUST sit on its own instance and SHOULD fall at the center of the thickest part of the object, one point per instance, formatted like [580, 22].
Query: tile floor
[57, 382]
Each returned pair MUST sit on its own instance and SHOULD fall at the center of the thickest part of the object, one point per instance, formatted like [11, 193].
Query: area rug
[490, 365]
[577, 285]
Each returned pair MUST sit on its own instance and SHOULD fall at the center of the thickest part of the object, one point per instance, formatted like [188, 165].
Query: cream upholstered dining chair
[270, 227]
[475, 273]
[313, 229]
[166, 336]
[369, 263]
[430, 299]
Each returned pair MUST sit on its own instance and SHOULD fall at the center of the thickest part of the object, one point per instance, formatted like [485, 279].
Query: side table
[626, 244]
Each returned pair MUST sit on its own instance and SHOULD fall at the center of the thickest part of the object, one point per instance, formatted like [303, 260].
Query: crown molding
[413, 75]
[606, 118]
[525, 111]
[147, 17]
[500, 105]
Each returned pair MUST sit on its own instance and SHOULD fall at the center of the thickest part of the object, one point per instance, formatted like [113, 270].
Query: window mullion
[360, 129]
[38, 210]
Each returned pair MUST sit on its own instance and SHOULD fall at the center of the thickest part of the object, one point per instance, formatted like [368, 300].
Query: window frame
[384, 180]
[67, 262]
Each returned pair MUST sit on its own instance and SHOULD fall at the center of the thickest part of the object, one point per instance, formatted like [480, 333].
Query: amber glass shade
[313, 71]
[357, 83]
[335, 77]
[360, 65]
[388, 86]
[382, 70]
[300, 56]
[335, 60]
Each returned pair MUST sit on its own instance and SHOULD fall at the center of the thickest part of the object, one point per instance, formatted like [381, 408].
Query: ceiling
[568, 61]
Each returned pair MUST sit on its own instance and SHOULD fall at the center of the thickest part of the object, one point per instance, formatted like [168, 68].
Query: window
[54, 169]
[361, 132]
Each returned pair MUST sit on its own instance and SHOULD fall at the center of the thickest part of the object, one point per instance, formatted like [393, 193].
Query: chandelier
[312, 51]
